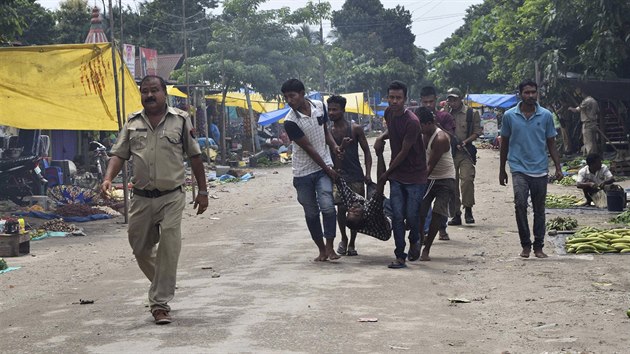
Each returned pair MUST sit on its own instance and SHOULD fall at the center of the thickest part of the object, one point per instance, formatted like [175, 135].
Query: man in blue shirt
[527, 129]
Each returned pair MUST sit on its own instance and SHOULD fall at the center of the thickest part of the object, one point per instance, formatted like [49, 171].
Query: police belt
[154, 193]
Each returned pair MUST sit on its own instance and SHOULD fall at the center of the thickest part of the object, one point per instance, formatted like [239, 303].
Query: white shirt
[601, 176]
[302, 163]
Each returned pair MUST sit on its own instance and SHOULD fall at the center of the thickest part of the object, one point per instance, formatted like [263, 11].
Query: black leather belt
[154, 193]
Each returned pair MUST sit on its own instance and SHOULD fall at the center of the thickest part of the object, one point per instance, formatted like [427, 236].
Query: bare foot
[425, 256]
[321, 258]
[540, 254]
[332, 255]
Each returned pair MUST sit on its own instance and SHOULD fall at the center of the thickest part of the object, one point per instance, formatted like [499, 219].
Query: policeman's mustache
[150, 99]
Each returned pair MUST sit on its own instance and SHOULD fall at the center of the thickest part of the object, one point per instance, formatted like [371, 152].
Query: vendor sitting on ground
[594, 177]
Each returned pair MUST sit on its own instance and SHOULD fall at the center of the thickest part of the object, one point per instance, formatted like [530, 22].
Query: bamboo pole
[118, 116]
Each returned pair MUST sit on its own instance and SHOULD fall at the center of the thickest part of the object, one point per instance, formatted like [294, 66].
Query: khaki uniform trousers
[464, 182]
[589, 135]
[155, 237]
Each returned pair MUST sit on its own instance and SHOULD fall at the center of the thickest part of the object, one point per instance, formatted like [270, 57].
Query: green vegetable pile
[623, 218]
[566, 181]
[575, 163]
[592, 240]
[3, 264]
[561, 224]
[561, 201]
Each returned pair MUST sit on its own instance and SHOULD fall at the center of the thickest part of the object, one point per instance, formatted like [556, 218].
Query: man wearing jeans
[407, 172]
[527, 129]
[312, 165]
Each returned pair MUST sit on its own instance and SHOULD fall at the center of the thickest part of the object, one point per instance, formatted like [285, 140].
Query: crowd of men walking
[432, 158]
[431, 172]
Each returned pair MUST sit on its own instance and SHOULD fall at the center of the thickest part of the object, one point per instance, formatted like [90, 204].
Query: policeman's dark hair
[292, 85]
[425, 115]
[154, 77]
[340, 100]
[592, 157]
[526, 82]
[428, 91]
[397, 85]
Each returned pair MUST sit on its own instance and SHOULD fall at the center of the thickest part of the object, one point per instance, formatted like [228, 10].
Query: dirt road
[264, 294]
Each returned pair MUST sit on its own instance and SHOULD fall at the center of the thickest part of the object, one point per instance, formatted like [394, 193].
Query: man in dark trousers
[527, 134]
[407, 172]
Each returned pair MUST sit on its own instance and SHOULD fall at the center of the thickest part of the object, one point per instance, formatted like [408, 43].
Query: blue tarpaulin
[273, 116]
[494, 100]
[50, 216]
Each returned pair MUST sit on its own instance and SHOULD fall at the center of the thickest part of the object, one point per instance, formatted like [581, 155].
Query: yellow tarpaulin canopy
[171, 90]
[355, 102]
[237, 99]
[67, 86]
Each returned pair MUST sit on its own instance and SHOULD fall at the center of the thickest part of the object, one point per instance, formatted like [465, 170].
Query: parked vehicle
[19, 178]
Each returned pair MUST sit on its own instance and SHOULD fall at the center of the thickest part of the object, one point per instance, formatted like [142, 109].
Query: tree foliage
[503, 42]
[73, 21]
[41, 23]
[11, 22]
[373, 46]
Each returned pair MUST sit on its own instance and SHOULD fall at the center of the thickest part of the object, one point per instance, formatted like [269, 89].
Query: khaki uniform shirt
[461, 126]
[588, 110]
[158, 154]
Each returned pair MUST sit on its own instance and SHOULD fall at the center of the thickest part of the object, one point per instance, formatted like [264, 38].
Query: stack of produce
[592, 240]
[562, 223]
[58, 225]
[566, 181]
[561, 201]
[3, 264]
[77, 210]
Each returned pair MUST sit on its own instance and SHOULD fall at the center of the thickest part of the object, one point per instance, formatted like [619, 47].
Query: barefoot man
[441, 172]
[312, 165]
[351, 136]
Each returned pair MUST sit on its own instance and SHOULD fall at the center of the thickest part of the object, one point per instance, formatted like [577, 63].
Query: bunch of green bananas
[592, 240]
[561, 201]
[3, 264]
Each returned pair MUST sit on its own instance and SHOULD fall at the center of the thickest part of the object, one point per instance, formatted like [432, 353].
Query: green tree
[73, 21]
[40, 28]
[12, 23]
[462, 60]
[378, 44]
[249, 48]
[159, 25]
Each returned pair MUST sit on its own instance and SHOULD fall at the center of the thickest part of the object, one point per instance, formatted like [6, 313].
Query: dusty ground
[271, 298]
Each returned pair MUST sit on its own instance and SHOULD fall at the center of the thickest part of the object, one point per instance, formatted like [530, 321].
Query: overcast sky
[433, 20]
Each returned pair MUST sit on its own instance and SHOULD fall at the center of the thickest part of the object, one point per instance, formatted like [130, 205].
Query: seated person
[209, 142]
[594, 177]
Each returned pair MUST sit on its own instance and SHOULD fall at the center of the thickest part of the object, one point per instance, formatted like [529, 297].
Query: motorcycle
[19, 178]
[93, 177]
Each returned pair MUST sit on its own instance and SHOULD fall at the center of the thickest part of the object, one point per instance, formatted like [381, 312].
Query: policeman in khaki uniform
[158, 138]
[464, 164]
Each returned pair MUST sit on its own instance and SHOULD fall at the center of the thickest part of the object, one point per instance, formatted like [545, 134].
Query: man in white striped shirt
[312, 165]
